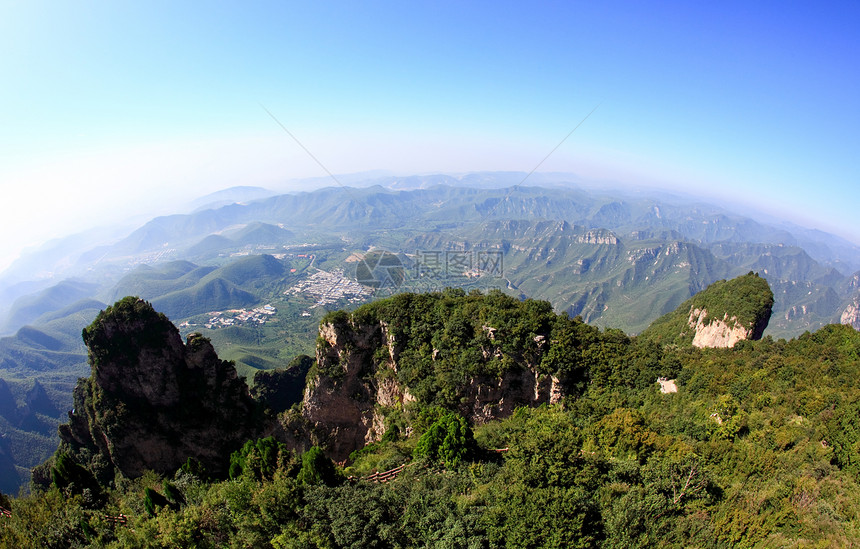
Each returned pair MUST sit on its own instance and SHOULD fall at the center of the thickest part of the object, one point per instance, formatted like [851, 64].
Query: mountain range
[617, 259]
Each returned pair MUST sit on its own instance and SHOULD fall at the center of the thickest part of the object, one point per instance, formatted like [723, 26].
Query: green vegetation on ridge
[744, 301]
[616, 261]
[445, 338]
[757, 448]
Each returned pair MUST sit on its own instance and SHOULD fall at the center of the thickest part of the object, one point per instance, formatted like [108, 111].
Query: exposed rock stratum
[151, 401]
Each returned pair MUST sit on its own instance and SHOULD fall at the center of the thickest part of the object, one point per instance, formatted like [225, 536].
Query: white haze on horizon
[128, 186]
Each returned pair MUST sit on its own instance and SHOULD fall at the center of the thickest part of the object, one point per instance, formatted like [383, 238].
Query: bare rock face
[726, 312]
[339, 401]
[357, 378]
[721, 333]
[151, 401]
[851, 314]
[488, 398]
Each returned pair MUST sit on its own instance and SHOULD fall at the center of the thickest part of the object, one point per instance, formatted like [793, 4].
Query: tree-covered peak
[742, 304]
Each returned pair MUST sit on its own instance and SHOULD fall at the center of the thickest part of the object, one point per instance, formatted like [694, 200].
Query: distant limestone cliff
[851, 314]
[151, 401]
[723, 314]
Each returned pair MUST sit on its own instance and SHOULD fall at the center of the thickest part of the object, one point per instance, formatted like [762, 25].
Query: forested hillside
[754, 445]
[726, 310]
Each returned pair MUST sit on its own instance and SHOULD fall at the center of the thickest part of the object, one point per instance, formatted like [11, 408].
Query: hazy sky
[114, 107]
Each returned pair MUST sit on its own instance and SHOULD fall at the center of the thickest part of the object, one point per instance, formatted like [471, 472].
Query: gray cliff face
[851, 314]
[357, 378]
[488, 398]
[339, 401]
[152, 402]
[141, 373]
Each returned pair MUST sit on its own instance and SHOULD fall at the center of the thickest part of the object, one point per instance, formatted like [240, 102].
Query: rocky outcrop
[487, 398]
[151, 401]
[280, 389]
[599, 237]
[724, 313]
[851, 314]
[340, 403]
[356, 383]
[722, 332]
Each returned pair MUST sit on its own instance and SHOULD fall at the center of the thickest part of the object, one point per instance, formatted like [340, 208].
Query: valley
[256, 278]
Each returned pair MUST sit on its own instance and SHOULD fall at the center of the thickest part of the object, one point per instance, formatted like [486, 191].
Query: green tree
[260, 459]
[153, 501]
[194, 467]
[73, 479]
[449, 440]
[173, 494]
[318, 469]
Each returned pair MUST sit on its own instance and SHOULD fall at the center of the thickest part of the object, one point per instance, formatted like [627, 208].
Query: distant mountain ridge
[436, 200]
[714, 242]
[232, 195]
[384, 208]
[29, 308]
[616, 259]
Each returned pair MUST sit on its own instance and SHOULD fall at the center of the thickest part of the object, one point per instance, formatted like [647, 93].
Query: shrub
[448, 441]
[318, 469]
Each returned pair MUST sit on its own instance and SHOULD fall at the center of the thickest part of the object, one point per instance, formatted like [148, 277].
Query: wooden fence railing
[385, 476]
[119, 519]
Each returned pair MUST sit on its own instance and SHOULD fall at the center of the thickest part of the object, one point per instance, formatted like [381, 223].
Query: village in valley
[323, 287]
[236, 317]
[327, 288]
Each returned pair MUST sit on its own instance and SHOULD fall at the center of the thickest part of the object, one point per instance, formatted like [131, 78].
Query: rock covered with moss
[152, 401]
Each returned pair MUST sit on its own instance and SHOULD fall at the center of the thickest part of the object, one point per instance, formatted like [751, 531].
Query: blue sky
[114, 108]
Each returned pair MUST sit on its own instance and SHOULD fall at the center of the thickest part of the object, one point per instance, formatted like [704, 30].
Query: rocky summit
[483, 356]
[151, 401]
[720, 316]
